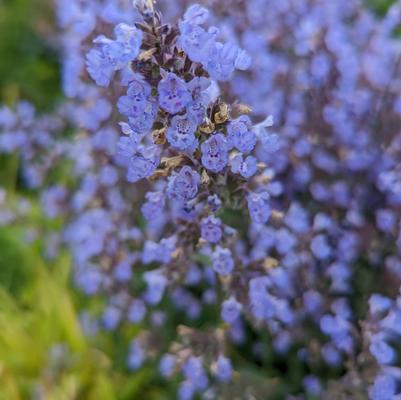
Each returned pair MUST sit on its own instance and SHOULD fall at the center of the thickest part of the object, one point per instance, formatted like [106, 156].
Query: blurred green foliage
[379, 6]
[44, 352]
[28, 64]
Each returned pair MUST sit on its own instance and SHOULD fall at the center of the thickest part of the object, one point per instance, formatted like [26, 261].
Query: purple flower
[158, 252]
[243, 60]
[122, 271]
[112, 55]
[222, 59]
[259, 207]
[320, 247]
[385, 220]
[193, 370]
[136, 355]
[384, 388]
[184, 184]
[246, 168]
[138, 95]
[198, 87]
[181, 133]
[108, 175]
[136, 311]
[186, 390]
[99, 67]
[382, 351]
[52, 200]
[312, 385]
[143, 122]
[143, 164]
[223, 369]
[128, 145]
[195, 41]
[379, 304]
[196, 14]
[240, 134]
[214, 202]
[230, 310]
[131, 39]
[167, 364]
[111, 318]
[211, 229]
[152, 209]
[222, 261]
[156, 284]
[174, 94]
[215, 153]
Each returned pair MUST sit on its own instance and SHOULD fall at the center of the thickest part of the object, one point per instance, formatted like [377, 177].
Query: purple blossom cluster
[178, 200]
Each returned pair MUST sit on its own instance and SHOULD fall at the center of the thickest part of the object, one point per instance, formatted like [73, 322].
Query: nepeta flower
[167, 364]
[184, 184]
[246, 168]
[174, 94]
[158, 252]
[320, 247]
[143, 122]
[223, 59]
[137, 98]
[215, 153]
[113, 55]
[136, 311]
[136, 355]
[259, 207]
[195, 373]
[384, 388]
[198, 87]
[196, 14]
[128, 145]
[223, 369]
[230, 310]
[152, 209]
[143, 164]
[156, 284]
[222, 261]
[214, 202]
[181, 133]
[240, 134]
[131, 39]
[196, 111]
[211, 229]
[99, 67]
[195, 41]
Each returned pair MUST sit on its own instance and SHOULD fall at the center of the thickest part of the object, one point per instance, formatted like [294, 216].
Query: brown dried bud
[145, 7]
[221, 114]
[183, 330]
[238, 109]
[277, 216]
[262, 179]
[269, 263]
[205, 178]
[159, 136]
[201, 243]
[147, 54]
[172, 162]
[177, 253]
[159, 173]
[207, 127]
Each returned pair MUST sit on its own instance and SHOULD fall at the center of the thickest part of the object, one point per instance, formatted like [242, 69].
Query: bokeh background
[43, 350]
